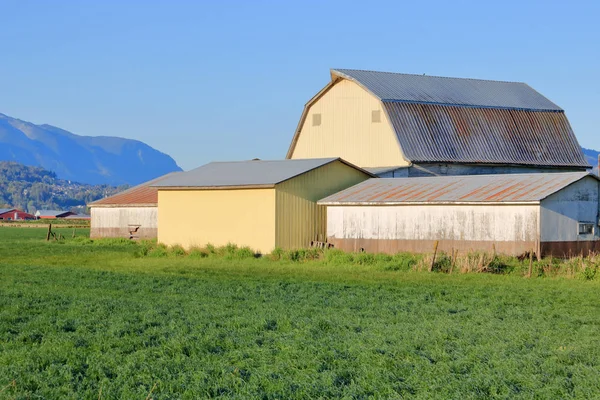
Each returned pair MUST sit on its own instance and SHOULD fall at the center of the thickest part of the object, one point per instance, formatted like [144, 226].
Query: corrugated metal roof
[140, 194]
[510, 188]
[50, 213]
[390, 86]
[245, 173]
[434, 133]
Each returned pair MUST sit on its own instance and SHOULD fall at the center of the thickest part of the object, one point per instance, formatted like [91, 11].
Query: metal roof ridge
[436, 103]
[430, 76]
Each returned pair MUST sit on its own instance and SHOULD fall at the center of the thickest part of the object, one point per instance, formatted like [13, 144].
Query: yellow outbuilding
[260, 204]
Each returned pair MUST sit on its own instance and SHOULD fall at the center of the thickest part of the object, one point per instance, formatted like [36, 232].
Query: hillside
[34, 188]
[592, 158]
[94, 160]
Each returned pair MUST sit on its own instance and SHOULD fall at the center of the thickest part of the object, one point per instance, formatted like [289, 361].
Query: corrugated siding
[440, 133]
[346, 129]
[298, 218]
[454, 91]
[245, 217]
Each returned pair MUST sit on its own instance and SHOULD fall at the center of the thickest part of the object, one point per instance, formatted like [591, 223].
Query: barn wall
[512, 229]
[299, 219]
[115, 221]
[346, 129]
[245, 217]
[561, 214]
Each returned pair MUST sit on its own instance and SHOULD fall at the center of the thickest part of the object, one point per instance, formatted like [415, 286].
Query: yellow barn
[260, 204]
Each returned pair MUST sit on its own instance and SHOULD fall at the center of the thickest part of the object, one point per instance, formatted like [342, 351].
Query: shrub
[159, 251]
[277, 253]
[244, 253]
[402, 262]
[196, 252]
[177, 251]
[337, 257]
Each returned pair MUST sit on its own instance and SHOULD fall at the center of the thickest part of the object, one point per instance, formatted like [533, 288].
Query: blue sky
[227, 80]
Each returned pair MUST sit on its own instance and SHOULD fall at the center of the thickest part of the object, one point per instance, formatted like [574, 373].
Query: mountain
[94, 160]
[592, 158]
[34, 188]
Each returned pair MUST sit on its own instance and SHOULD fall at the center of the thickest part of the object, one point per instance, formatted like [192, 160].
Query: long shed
[260, 204]
[131, 213]
[549, 213]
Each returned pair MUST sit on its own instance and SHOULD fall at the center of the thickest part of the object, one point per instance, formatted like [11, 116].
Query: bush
[402, 262]
[337, 257]
[177, 251]
[301, 255]
[196, 252]
[159, 251]
[589, 272]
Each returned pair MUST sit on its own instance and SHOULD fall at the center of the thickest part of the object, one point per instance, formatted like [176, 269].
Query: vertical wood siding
[346, 129]
[513, 229]
[115, 221]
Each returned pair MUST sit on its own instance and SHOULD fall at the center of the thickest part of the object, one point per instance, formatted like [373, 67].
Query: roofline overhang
[266, 186]
[429, 203]
[503, 164]
[307, 106]
[128, 205]
[232, 187]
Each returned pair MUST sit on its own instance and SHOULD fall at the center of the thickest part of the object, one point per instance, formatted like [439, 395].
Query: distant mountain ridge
[87, 159]
[592, 158]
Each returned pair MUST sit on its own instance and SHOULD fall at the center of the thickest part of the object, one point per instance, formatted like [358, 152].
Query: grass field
[81, 319]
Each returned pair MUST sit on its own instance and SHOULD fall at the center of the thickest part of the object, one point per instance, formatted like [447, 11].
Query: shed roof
[50, 213]
[5, 210]
[501, 188]
[246, 173]
[391, 86]
[143, 194]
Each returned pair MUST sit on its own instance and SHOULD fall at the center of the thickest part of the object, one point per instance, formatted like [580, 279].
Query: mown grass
[106, 319]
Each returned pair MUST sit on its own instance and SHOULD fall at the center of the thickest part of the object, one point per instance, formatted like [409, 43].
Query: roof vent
[376, 116]
[316, 119]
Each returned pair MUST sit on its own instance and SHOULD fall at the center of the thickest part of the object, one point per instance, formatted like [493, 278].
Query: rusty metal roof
[141, 194]
[435, 133]
[391, 86]
[502, 188]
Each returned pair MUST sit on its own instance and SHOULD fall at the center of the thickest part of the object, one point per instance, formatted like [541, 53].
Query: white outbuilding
[548, 213]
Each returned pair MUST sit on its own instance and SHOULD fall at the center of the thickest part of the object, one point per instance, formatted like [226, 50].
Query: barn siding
[299, 219]
[245, 217]
[512, 229]
[346, 129]
[115, 221]
[561, 214]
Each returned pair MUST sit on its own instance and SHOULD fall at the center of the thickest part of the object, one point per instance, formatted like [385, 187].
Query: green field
[82, 319]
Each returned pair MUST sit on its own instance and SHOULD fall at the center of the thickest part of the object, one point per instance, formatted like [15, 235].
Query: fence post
[435, 248]
[49, 232]
[530, 263]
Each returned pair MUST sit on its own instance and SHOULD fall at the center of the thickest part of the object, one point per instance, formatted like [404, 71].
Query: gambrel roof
[470, 121]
